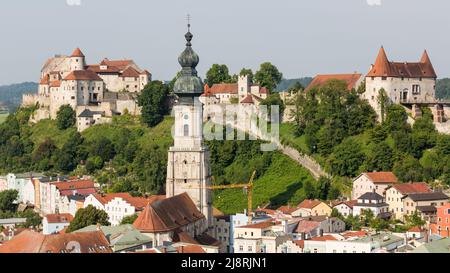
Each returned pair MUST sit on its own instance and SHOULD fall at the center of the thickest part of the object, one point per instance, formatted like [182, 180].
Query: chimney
[98, 227]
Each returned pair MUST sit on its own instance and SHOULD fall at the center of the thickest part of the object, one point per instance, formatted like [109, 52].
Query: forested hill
[443, 89]
[11, 95]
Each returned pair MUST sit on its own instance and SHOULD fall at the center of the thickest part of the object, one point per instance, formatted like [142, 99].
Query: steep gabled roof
[382, 177]
[309, 204]
[350, 79]
[224, 88]
[77, 53]
[130, 72]
[248, 100]
[384, 68]
[137, 202]
[82, 75]
[409, 188]
[59, 218]
[168, 214]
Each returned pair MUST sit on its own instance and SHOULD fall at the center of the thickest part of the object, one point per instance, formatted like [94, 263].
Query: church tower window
[186, 130]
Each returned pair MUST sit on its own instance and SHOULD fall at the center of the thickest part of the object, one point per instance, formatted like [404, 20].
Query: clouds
[73, 2]
[373, 3]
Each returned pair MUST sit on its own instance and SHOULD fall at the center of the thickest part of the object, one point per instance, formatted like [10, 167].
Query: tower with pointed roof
[188, 168]
[77, 60]
[407, 83]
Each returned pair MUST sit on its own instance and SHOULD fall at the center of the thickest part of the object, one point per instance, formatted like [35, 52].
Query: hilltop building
[68, 80]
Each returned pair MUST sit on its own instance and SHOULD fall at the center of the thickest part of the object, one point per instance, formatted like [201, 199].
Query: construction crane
[247, 187]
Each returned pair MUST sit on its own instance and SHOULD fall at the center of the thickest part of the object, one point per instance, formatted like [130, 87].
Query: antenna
[189, 21]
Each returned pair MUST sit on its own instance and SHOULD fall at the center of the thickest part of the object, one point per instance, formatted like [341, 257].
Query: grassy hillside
[3, 116]
[282, 183]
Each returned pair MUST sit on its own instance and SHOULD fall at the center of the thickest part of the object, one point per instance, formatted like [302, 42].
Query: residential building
[23, 184]
[416, 201]
[442, 226]
[54, 223]
[374, 202]
[222, 231]
[316, 226]
[119, 205]
[260, 237]
[374, 181]
[312, 208]
[416, 233]
[345, 208]
[123, 238]
[291, 246]
[396, 193]
[241, 219]
[33, 242]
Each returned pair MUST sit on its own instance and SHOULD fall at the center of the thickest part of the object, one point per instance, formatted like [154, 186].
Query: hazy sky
[301, 37]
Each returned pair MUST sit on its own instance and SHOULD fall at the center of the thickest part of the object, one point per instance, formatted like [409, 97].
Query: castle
[96, 92]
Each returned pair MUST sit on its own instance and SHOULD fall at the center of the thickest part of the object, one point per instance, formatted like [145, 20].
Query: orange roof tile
[309, 204]
[350, 79]
[77, 53]
[55, 83]
[351, 234]
[384, 68]
[190, 249]
[109, 69]
[130, 72]
[168, 214]
[382, 177]
[261, 225]
[83, 75]
[409, 188]
[248, 100]
[324, 238]
[415, 229]
[300, 243]
[224, 88]
[45, 80]
[121, 64]
[138, 202]
[59, 218]
[287, 209]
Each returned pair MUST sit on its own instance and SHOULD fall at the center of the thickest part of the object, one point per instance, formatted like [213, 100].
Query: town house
[374, 181]
[396, 193]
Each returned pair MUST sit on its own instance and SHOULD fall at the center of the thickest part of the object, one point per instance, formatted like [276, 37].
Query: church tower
[188, 168]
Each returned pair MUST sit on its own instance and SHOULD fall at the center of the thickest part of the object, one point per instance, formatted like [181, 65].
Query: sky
[302, 38]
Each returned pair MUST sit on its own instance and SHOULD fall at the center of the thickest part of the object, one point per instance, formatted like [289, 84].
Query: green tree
[65, 117]
[396, 119]
[218, 73]
[93, 164]
[247, 72]
[274, 100]
[379, 157]
[88, 216]
[268, 76]
[129, 220]
[383, 101]
[346, 159]
[323, 187]
[153, 100]
[414, 220]
[8, 200]
[408, 169]
[34, 220]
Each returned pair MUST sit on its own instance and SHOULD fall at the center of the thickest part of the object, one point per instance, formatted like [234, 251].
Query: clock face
[186, 117]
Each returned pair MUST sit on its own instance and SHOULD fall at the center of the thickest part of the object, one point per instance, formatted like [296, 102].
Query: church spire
[188, 85]
[382, 66]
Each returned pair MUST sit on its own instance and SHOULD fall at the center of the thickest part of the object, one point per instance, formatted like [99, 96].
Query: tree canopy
[65, 117]
[88, 216]
[268, 76]
[153, 99]
[218, 73]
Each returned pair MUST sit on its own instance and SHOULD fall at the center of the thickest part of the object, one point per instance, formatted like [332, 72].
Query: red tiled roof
[415, 229]
[264, 90]
[77, 53]
[45, 79]
[74, 185]
[83, 75]
[55, 83]
[306, 226]
[409, 188]
[350, 234]
[87, 191]
[183, 237]
[248, 99]
[168, 214]
[130, 72]
[224, 88]
[384, 68]
[190, 249]
[109, 69]
[320, 80]
[349, 204]
[309, 204]
[121, 64]
[145, 72]
[267, 211]
[59, 218]
[382, 177]
[33, 242]
[300, 243]
[324, 238]
[287, 209]
[261, 225]
[137, 202]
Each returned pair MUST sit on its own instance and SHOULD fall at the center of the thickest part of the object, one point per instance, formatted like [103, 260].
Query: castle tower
[244, 86]
[188, 168]
[77, 60]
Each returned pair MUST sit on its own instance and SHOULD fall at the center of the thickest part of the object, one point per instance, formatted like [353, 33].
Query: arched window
[186, 130]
